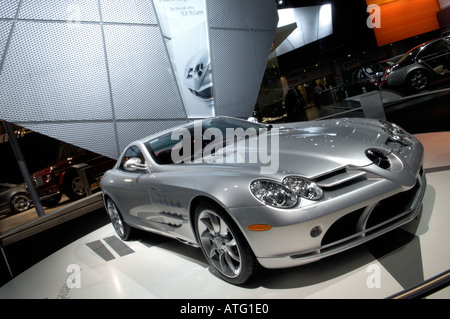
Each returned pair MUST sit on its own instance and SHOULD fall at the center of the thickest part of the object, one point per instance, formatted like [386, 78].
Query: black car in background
[420, 67]
[14, 198]
[367, 78]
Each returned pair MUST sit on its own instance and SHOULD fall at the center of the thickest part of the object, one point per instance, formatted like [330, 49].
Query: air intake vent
[379, 158]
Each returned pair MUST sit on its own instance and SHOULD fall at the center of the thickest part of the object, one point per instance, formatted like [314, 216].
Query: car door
[98, 164]
[436, 56]
[133, 188]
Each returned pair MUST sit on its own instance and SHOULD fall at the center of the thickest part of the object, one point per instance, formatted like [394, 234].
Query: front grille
[383, 214]
[393, 206]
[38, 181]
[342, 228]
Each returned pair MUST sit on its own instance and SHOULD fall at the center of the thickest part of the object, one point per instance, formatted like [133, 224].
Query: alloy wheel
[78, 187]
[116, 220]
[219, 243]
[20, 203]
[418, 80]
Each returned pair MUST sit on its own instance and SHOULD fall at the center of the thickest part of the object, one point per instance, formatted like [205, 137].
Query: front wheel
[223, 244]
[122, 229]
[20, 203]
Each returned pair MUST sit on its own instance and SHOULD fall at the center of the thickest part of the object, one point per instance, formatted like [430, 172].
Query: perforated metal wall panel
[53, 72]
[243, 14]
[8, 8]
[241, 35]
[234, 72]
[143, 83]
[5, 28]
[261, 41]
[83, 133]
[128, 11]
[96, 73]
[65, 10]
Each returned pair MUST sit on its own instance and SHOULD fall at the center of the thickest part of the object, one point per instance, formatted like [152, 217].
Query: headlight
[396, 133]
[303, 187]
[286, 194]
[48, 178]
[273, 194]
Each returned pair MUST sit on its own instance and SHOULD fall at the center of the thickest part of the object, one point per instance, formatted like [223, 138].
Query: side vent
[339, 178]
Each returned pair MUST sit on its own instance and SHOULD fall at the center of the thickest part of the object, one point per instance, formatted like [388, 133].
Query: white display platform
[100, 266]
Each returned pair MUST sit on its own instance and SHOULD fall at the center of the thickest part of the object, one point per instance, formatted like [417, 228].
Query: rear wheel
[52, 201]
[223, 244]
[73, 186]
[417, 80]
[122, 229]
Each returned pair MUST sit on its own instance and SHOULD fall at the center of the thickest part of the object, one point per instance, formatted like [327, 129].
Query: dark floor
[425, 114]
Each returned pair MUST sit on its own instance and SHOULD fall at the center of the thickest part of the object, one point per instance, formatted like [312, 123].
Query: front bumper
[46, 190]
[294, 240]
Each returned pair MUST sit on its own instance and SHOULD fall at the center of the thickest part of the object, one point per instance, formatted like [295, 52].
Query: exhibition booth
[85, 83]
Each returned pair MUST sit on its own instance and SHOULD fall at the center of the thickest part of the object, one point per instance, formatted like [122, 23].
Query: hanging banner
[402, 19]
[183, 24]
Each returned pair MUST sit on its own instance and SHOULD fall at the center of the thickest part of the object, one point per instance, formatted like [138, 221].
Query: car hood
[59, 165]
[309, 149]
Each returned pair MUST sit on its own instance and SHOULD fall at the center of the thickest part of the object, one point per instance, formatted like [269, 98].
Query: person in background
[291, 103]
[301, 112]
[317, 95]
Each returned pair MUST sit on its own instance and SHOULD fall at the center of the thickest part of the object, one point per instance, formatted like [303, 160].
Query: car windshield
[197, 135]
[65, 150]
[375, 68]
[409, 56]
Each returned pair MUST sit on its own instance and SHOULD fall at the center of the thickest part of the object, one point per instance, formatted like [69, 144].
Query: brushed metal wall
[96, 73]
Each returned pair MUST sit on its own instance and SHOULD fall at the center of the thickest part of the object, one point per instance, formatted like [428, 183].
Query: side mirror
[134, 164]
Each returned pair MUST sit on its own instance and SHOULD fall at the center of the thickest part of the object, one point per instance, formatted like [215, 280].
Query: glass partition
[62, 175]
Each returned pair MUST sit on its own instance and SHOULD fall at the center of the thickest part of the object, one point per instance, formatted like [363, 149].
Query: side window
[161, 148]
[131, 152]
[435, 55]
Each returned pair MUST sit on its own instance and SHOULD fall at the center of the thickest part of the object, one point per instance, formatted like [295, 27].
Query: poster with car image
[183, 24]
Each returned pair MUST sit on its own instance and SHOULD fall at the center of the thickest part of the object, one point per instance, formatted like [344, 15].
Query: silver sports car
[277, 196]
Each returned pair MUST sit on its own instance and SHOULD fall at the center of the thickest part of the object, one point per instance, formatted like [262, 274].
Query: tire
[51, 201]
[223, 244]
[73, 187]
[19, 203]
[123, 230]
[417, 80]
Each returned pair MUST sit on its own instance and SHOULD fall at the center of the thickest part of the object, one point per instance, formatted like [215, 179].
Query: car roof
[152, 136]
[424, 44]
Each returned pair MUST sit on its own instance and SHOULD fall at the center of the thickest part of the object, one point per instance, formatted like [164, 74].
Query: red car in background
[63, 177]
